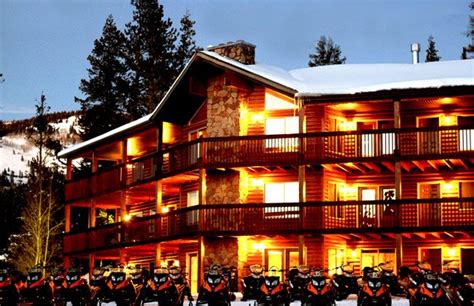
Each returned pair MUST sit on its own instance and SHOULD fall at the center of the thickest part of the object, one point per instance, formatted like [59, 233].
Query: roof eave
[394, 94]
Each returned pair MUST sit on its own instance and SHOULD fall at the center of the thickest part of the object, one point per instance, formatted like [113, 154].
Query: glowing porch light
[163, 264]
[257, 117]
[353, 253]
[452, 252]
[176, 263]
[446, 100]
[165, 210]
[257, 182]
[259, 247]
[448, 187]
[448, 120]
[127, 218]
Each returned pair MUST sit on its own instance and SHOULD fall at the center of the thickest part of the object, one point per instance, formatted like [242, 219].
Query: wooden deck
[393, 216]
[416, 144]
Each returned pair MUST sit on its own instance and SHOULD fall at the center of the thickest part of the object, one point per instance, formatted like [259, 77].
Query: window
[192, 200]
[466, 134]
[284, 125]
[274, 102]
[282, 193]
[466, 190]
[195, 151]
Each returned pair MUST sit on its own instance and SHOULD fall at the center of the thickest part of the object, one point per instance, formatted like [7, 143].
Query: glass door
[368, 212]
[428, 141]
[192, 270]
[366, 141]
[429, 213]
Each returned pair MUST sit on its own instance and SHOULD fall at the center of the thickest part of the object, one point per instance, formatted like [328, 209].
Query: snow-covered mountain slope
[16, 151]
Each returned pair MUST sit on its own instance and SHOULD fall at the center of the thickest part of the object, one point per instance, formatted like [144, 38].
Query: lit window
[279, 126]
[282, 193]
[272, 102]
[192, 216]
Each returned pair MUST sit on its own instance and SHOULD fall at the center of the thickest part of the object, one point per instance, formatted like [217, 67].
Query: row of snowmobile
[107, 286]
[169, 287]
[375, 286]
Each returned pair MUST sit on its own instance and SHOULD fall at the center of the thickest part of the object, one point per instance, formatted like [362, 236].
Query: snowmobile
[345, 283]
[318, 291]
[296, 281]
[273, 292]
[374, 291]
[38, 290]
[214, 291]
[181, 284]
[119, 289]
[251, 284]
[160, 289]
[430, 292]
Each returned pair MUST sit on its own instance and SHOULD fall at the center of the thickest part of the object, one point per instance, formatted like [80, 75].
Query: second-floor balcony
[275, 150]
[393, 216]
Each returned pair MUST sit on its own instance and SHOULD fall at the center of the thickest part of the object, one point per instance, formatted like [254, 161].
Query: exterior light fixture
[127, 218]
[259, 247]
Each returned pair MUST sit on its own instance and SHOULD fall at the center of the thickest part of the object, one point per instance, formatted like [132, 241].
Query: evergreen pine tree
[151, 55]
[431, 51]
[187, 44]
[106, 90]
[468, 51]
[327, 53]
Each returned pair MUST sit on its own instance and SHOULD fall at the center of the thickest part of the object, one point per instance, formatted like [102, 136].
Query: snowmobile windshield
[256, 269]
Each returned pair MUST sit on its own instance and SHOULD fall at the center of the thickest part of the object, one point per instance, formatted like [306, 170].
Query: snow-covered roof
[324, 80]
[104, 136]
[361, 78]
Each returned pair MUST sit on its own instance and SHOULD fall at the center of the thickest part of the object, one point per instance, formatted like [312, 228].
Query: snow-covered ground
[351, 301]
[16, 150]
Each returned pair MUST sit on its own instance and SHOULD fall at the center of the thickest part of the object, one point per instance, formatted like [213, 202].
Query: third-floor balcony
[274, 150]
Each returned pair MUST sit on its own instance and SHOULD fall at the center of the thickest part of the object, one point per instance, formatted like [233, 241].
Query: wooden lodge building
[244, 163]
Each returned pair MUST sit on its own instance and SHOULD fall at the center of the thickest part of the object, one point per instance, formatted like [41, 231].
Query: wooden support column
[93, 213]
[123, 206]
[91, 263]
[301, 253]
[122, 257]
[302, 199]
[202, 186]
[67, 216]
[398, 180]
[157, 255]
[159, 196]
[68, 169]
[201, 254]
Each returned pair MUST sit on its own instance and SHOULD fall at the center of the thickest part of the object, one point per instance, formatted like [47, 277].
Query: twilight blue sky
[44, 43]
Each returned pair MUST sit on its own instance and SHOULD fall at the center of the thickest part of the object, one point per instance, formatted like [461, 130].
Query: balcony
[272, 219]
[273, 150]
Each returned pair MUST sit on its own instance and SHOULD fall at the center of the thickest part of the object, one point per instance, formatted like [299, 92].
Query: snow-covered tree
[431, 51]
[326, 53]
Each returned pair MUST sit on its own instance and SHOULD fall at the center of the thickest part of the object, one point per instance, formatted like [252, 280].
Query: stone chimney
[240, 51]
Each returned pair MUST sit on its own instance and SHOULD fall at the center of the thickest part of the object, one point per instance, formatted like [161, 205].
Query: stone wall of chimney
[240, 50]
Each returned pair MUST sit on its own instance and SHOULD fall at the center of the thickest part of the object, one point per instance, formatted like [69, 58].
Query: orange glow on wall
[132, 147]
[170, 133]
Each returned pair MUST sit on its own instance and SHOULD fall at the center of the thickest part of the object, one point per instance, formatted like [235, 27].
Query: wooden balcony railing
[287, 218]
[268, 150]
